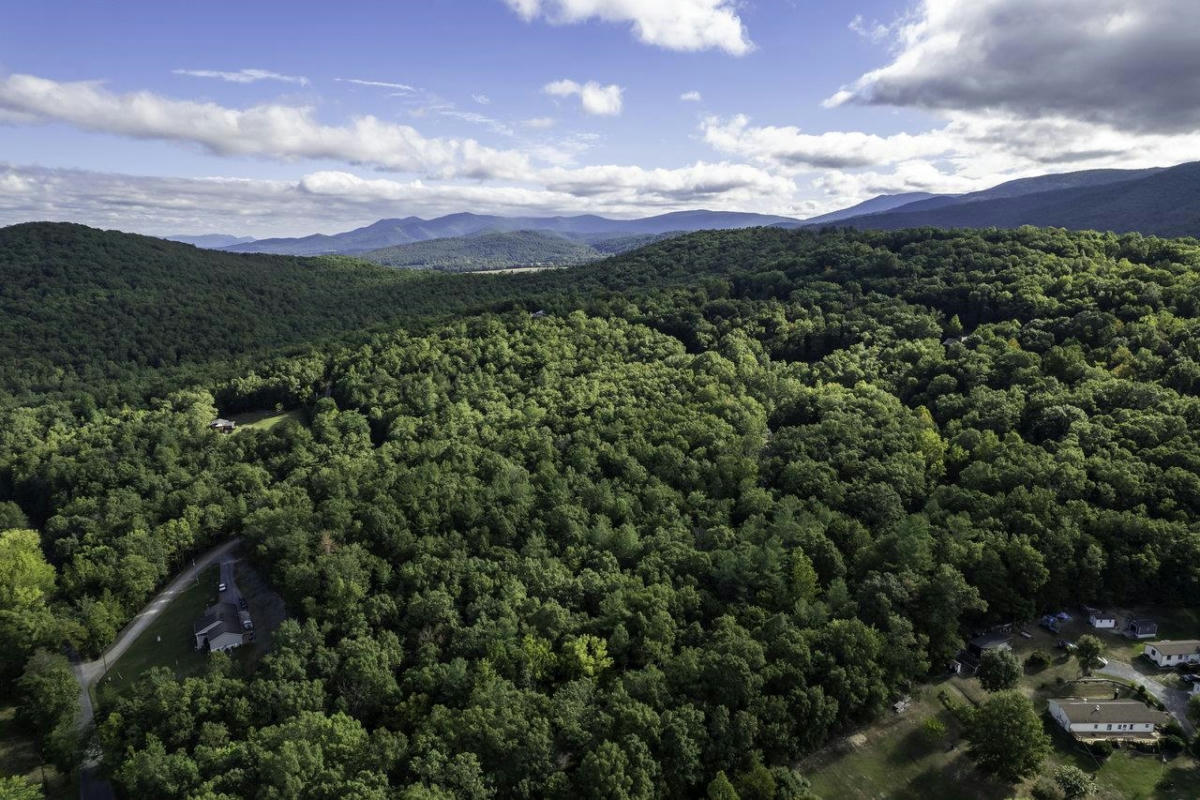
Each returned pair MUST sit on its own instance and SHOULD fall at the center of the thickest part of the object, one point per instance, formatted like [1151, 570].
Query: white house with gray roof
[220, 628]
[1172, 653]
[1106, 719]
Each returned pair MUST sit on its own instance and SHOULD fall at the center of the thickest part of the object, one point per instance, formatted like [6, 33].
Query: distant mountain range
[393, 232]
[210, 241]
[1161, 201]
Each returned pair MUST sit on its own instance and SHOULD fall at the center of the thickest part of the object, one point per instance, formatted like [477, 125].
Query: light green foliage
[16, 788]
[725, 497]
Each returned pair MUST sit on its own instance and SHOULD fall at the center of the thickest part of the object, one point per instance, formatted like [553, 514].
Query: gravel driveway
[1176, 700]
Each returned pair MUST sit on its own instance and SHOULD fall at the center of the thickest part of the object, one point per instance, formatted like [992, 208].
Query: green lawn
[893, 760]
[168, 641]
[889, 760]
[19, 756]
[265, 420]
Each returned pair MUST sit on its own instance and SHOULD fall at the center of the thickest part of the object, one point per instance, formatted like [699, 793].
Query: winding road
[88, 672]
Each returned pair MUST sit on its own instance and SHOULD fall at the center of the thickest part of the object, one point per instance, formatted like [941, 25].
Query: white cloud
[331, 201]
[243, 75]
[595, 99]
[482, 99]
[789, 147]
[690, 97]
[284, 132]
[402, 88]
[671, 24]
[875, 31]
[539, 122]
[1131, 65]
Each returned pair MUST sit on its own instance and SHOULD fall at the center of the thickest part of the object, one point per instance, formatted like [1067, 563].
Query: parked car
[221, 587]
[1065, 644]
[1189, 677]
[1102, 661]
[242, 602]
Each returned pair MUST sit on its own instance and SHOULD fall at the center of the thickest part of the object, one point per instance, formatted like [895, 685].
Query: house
[1106, 719]
[967, 660]
[1141, 629]
[1102, 620]
[222, 425]
[219, 629]
[1174, 653]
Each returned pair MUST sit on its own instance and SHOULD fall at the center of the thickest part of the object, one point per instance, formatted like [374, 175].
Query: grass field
[265, 420]
[19, 756]
[167, 642]
[890, 760]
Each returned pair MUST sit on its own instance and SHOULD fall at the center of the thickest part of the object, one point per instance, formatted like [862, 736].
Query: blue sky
[267, 118]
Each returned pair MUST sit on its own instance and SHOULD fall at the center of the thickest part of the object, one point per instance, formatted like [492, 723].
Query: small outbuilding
[222, 425]
[1102, 620]
[1141, 629]
[967, 660]
[1172, 653]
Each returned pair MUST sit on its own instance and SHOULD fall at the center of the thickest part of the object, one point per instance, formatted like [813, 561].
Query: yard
[266, 420]
[891, 760]
[168, 641]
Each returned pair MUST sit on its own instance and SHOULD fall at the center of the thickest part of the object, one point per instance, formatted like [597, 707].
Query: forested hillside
[487, 251]
[729, 495]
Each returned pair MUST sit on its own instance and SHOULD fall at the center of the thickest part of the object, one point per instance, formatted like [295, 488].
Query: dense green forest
[651, 527]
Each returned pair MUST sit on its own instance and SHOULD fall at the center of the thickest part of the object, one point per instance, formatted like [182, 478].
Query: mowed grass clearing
[266, 420]
[893, 759]
[168, 641]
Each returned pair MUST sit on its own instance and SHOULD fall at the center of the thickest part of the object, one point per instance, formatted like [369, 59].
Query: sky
[273, 119]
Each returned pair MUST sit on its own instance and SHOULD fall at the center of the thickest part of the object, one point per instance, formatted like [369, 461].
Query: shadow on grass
[957, 780]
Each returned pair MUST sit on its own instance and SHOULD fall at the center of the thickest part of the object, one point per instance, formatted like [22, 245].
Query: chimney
[1096, 709]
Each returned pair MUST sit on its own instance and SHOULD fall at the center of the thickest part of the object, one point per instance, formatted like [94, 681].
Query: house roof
[1178, 647]
[1082, 712]
[991, 641]
[221, 618]
[1142, 623]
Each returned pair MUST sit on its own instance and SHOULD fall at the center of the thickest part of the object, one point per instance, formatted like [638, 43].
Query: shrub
[1171, 743]
[1074, 782]
[1046, 789]
[1038, 659]
[1101, 749]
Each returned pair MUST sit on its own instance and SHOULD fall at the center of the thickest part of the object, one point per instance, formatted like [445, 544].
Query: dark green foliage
[999, 669]
[722, 500]
[1006, 736]
[1087, 651]
[49, 703]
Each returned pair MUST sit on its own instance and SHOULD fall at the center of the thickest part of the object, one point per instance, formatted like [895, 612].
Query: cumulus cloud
[671, 24]
[690, 97]
[1110, 62]
[243, 75]
[275, 131]
[482, 99]
[789, 147]
[595, 99]
[540, 123]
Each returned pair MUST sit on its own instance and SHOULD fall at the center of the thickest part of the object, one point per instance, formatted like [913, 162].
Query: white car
[221, 587]
[1103, 662]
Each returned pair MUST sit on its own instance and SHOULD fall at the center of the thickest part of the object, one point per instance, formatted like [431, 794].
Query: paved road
[88, 672]
[1176, 700]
